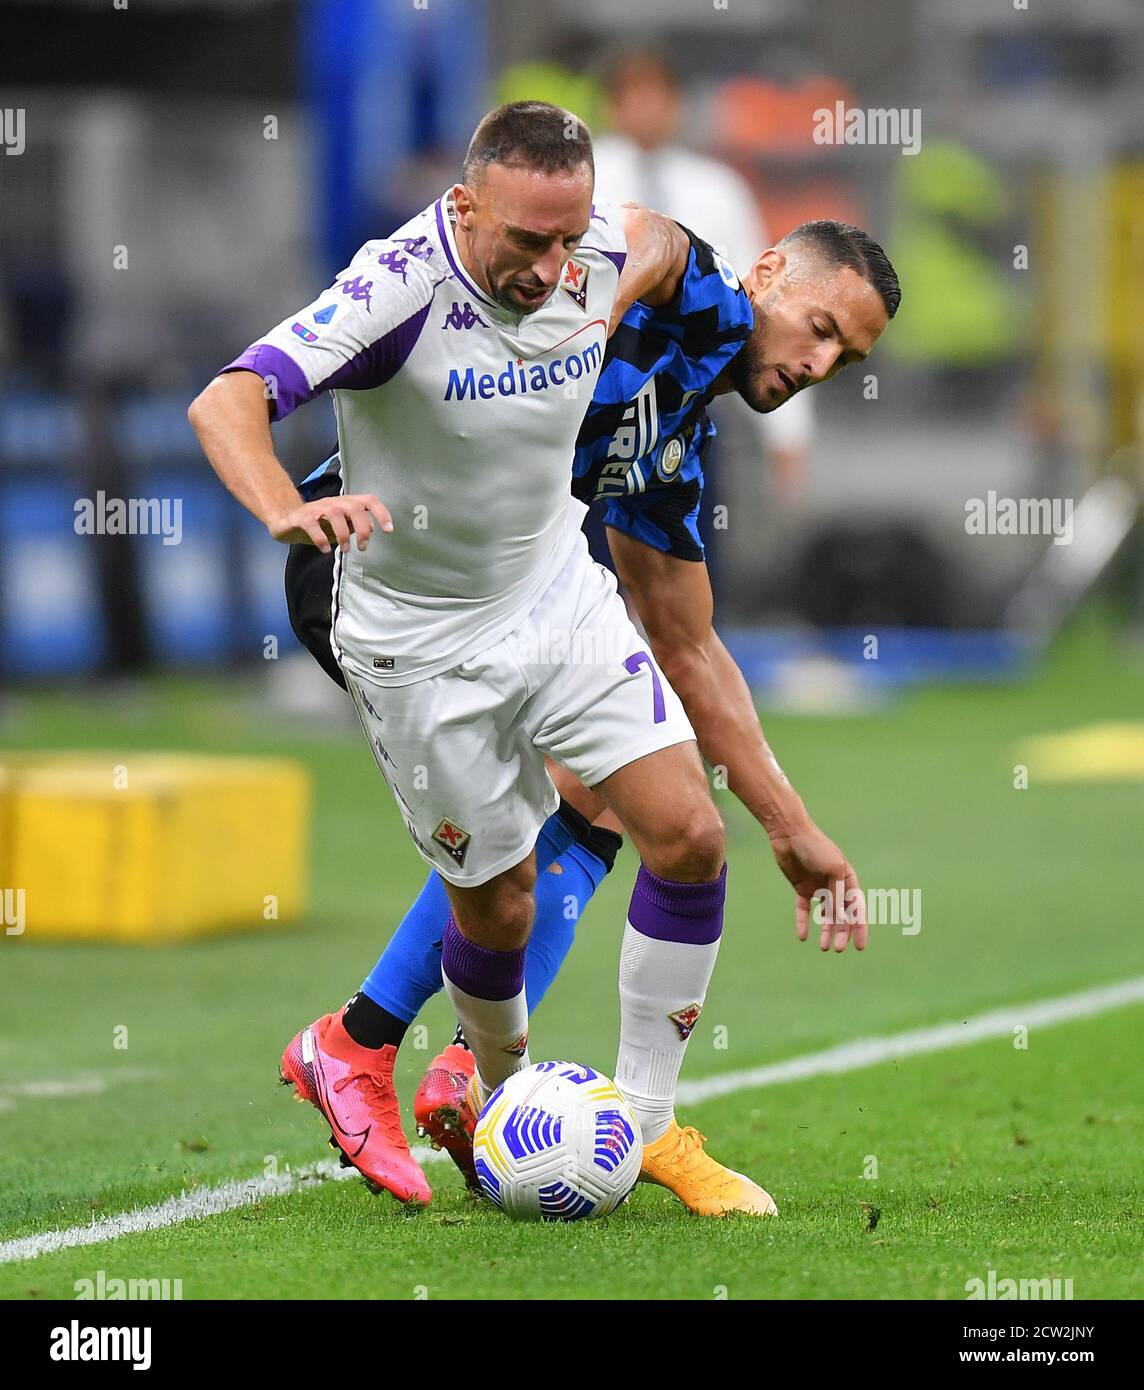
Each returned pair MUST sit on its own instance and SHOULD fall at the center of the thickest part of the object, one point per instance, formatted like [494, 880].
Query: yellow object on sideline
[153, 847]
[1112, 752]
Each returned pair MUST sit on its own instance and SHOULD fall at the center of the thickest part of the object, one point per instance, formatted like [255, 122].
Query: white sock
[663, 985]
[496, 1031]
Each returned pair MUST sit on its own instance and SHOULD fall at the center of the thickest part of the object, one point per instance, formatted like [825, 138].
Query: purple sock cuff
[690, 912]
[478, 971]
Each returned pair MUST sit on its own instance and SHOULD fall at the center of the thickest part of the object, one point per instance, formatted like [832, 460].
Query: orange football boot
[676, 1160]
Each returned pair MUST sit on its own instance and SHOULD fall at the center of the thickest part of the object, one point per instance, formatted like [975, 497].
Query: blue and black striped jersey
[640, 449]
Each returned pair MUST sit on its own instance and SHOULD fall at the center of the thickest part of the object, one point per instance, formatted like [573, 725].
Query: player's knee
[509, 920]
[515, 909]
[702, 848]
[499, 915]
[696, 849]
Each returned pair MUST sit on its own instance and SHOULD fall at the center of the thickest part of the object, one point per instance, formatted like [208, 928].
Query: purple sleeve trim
[372, 366]
[617, 258]
[443, 236]
[290, 387]
[687, 912]
[376, 364]
[478, 971]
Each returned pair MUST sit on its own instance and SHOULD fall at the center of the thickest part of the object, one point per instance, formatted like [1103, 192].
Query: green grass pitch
[989, 1156]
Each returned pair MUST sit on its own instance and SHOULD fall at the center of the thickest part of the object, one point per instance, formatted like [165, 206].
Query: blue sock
[409, 969]
[560, 902]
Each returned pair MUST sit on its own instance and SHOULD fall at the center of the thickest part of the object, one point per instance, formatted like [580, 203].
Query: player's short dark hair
[529, 135]
[840, 244]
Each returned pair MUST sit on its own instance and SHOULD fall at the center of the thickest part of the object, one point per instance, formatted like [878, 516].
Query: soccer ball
[557, 1142]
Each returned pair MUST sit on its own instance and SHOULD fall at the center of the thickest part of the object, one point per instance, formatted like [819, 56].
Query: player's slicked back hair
[838, 243]
[528, 135]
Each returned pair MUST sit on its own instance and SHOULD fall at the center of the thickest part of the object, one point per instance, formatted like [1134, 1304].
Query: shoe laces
[689, 1145]
[473, 1102]
[690, 1155]
[378, 1094]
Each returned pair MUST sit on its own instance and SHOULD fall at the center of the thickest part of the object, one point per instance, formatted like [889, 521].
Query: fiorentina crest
[686, 1019]
[453, 840]
[574, 282]
[518, 1048]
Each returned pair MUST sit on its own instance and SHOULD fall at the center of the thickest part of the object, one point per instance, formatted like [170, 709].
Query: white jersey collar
[453, 256]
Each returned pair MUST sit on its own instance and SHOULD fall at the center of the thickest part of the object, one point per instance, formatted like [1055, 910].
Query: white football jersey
[461, 416]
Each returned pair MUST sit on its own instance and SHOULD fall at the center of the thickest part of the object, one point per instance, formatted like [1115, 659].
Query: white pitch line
[68, 1087]
[65, 1088]
[866, 1052]
[71, 1087]
[210, 1201]
[187, 1206]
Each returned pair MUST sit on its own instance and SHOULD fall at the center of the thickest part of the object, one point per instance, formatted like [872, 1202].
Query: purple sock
[487, 991]
[478, 971]
[667, 911]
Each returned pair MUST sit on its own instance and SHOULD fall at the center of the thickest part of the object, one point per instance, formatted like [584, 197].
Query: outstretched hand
[826, 887]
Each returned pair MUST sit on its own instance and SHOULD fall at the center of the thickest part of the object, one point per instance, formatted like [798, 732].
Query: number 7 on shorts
[633, 664]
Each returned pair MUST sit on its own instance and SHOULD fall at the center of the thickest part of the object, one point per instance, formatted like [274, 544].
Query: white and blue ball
[557, 1142]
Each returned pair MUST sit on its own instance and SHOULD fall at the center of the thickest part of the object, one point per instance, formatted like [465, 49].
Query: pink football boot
[353, 1088]
[442, 1110]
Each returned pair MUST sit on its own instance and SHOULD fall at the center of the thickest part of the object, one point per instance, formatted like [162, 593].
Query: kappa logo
[405, 806]
[686, 1019]
[360, 288]
[518, 1048]
[417, 840]
[453, 840]
[463, 318]
[396, 262]
[574, 282]
[417, 246]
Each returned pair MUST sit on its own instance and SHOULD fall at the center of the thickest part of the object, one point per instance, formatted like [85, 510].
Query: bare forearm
[656, 260]
[722, 713]
[232, 422]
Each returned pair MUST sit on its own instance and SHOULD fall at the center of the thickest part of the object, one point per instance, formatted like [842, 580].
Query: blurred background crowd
[193, 170]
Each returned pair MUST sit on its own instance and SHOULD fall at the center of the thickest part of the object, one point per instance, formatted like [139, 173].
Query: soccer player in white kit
[462, 353]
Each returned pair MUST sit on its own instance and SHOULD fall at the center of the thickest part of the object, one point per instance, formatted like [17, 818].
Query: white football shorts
[463, 752]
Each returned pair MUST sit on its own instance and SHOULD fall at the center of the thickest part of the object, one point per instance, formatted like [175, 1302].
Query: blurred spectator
[641, 160]
[576, 91]
[765, 129]
[964, 320]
